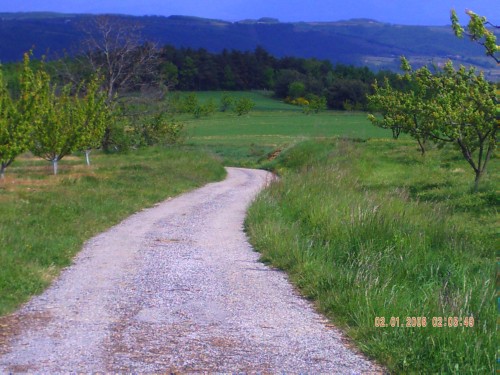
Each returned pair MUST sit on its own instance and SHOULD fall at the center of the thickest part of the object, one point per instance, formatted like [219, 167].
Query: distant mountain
[358, 41]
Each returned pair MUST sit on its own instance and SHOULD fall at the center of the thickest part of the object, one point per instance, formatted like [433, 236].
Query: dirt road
[177, 288]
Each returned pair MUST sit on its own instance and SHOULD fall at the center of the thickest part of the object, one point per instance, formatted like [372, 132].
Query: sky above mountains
[407, 12]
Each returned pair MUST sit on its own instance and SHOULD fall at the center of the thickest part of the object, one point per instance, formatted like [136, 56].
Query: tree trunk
[421, 144]
[87, 156]
[55, 165]
[2, 171]
[479, 174]
[106, 139]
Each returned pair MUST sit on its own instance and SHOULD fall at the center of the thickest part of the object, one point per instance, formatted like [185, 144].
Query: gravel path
[177, 288]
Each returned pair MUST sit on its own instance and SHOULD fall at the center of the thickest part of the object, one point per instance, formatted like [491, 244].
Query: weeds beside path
[382, 239]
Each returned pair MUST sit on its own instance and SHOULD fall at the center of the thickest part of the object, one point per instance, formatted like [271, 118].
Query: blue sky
[414, 12]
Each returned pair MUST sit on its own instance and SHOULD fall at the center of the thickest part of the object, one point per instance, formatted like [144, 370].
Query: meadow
[271, 127]
[46, 219]
[365, 226]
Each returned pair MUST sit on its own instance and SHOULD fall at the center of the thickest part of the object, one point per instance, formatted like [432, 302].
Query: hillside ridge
[361, 42]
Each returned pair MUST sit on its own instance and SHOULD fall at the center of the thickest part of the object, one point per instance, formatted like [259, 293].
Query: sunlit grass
[372, 229]
[272, 125]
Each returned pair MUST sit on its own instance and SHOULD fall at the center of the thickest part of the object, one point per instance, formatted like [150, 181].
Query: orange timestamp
[422, 321]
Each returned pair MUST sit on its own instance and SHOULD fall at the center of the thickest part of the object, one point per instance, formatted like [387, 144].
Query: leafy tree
[454, 106]
[94, 115]
[190, 103]
[296, 89]
[228, 81]
[188, 74]
[269, 77]
[209, 107]
[388, 102]
[63, 122]
[316, 104]
[169, 74]
[405, 110]
[285, 78]
[465, 114]
[158, 129]
[55, 128]
[351, 90]
[207, 72]
[18, 119]
[13, 129]
[243, 106]
[477, 30]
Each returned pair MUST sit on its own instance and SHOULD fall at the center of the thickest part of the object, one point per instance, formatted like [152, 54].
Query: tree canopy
[452, 106]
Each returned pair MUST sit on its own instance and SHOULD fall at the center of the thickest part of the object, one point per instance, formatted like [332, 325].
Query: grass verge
[45, 219]
[370, 230]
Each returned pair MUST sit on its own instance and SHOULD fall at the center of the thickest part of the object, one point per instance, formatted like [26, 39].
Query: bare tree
[115, 48]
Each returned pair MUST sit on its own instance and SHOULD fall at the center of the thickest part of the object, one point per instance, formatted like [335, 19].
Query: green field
[371, 228]
[273, 125]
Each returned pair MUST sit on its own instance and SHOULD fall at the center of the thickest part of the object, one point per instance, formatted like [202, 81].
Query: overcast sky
[409, 12]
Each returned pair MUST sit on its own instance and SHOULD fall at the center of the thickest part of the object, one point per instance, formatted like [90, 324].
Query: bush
[158, 130]
[316, 104]
[226, 102]
[244, 106]
[296, 89]
[190, 104]
[118, 136]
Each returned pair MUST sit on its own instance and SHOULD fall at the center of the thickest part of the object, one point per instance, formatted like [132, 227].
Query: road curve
[177, 288]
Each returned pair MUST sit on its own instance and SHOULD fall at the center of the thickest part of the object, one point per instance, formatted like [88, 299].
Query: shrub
[244, 106]
[158, 130]
[226, 102]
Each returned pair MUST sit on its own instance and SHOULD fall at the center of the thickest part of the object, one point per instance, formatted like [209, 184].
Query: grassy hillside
[358, 42]
[271, 127]
[371, 230]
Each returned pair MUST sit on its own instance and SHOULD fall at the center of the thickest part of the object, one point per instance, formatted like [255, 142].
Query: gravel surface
[178, 288]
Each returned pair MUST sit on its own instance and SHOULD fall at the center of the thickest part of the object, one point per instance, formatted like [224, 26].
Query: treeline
[343, 87]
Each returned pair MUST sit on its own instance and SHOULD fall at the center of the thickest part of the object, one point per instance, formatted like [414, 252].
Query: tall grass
[362, 244]
[45, 219]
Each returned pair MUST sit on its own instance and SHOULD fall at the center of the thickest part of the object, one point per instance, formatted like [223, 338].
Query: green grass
[371, 229]
[45, 219]
[272, 125]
